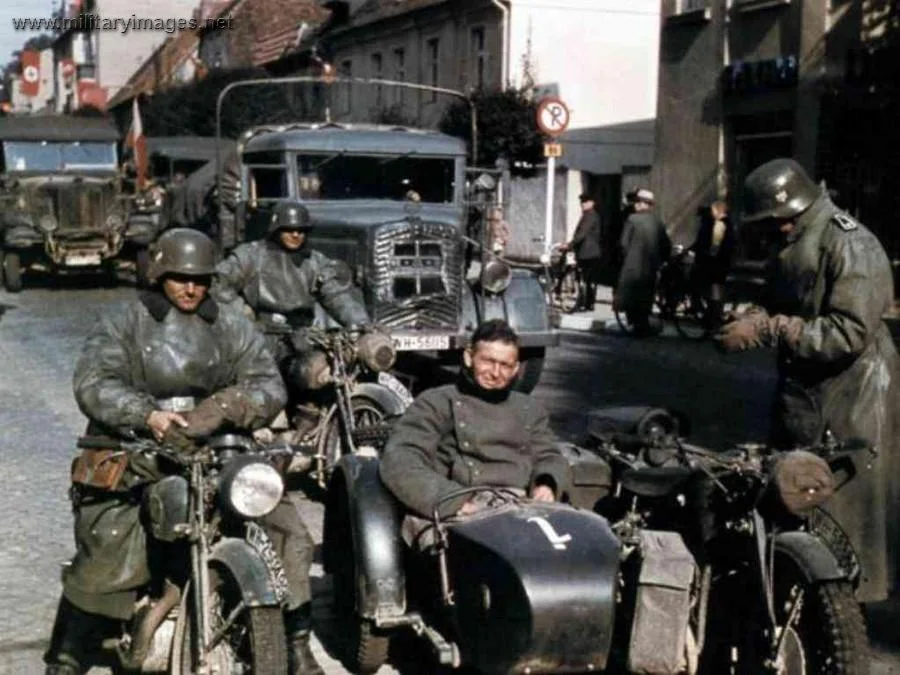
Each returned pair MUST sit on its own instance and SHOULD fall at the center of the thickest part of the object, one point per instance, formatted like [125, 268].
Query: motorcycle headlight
[376, 351]
[495, 276]
[48, 223]
[251, 488]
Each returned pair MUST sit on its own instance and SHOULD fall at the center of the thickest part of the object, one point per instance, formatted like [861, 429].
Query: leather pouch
[100, 469]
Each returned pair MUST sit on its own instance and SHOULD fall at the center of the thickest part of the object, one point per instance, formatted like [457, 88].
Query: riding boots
[298, 624]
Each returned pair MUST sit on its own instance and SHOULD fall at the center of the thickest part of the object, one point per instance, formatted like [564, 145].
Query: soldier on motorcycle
[281, 278]
[474, 432]
[830, 283]
[138, 375]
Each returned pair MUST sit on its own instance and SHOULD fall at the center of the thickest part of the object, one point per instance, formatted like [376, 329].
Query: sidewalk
[602, 319]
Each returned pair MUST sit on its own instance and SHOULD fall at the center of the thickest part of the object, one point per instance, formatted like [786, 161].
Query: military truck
[397, 205]
[61, 200]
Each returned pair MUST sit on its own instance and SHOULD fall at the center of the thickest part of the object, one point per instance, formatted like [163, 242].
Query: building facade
[744, 81]
[599, 56]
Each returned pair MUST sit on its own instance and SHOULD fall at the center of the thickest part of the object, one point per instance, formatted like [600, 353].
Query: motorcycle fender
[523, 306]
[373, 519]
[249, 571]
[811, 556]
[388, 392]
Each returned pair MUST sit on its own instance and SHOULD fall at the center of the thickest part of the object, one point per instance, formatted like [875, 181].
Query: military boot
[75, 634]
[298, 624]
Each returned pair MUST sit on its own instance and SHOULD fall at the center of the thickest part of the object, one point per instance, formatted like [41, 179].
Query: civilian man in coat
[645, 247]
[586, 245]
[714, 248]
[474, 432]
[830, 283]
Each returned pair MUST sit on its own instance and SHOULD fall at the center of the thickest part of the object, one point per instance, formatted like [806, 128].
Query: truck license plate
[83, 259]
[408, 343]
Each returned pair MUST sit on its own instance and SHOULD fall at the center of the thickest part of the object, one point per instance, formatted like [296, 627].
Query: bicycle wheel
[691, 317]
[567, 291]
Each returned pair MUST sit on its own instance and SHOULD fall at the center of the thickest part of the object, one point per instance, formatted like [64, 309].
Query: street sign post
[552, 120]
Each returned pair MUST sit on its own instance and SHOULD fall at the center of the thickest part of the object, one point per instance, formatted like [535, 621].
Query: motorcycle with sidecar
[668, 558]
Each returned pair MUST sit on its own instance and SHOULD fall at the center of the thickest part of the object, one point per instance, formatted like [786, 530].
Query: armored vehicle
[61, 202]
[397, 205]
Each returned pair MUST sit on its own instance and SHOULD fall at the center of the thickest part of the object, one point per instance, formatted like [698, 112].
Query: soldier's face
[292, 239]
[186, 293]
[494, 365]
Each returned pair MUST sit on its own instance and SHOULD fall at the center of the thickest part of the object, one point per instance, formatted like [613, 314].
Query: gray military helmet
[778, 189]
[182, 250]
[289, 216]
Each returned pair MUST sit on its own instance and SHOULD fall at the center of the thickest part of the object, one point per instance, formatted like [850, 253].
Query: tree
[190, 109]
[506, 128]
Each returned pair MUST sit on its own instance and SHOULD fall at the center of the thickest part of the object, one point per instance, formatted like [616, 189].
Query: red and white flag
[31, 72]
[138, 144]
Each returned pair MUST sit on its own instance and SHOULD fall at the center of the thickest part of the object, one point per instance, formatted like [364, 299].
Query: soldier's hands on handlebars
[160, 421]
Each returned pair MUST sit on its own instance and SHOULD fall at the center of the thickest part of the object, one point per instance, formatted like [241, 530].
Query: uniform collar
[466, 384]
[159, 306]
[297, 257]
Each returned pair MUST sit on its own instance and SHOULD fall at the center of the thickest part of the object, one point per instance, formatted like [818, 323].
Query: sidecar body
[520, 588]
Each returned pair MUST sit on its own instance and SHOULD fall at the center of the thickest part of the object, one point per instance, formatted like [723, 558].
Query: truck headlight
[496, 276]
[48, 224]
[250, 487]
[114, 222]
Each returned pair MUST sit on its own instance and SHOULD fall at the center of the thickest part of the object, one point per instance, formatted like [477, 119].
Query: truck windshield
[51, 156]
[394, 177]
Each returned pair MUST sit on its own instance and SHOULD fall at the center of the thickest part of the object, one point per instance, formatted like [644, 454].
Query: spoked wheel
[567, 291]
[365, 647]
[366, 413]
[821, 634]
[254, 643]
[691, 317]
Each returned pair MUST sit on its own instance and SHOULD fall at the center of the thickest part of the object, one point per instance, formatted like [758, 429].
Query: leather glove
[300, 341]
[205, 419]
[177, 439]
[803, 481]
[758, 329]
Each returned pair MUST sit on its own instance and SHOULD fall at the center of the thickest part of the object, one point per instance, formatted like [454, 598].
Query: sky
[10, 39]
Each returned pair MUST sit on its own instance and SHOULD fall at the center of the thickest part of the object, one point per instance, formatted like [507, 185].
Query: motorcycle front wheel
[367, 412]
[825, 634]
[254, 642]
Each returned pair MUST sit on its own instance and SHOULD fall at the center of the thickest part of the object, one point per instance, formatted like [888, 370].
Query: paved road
[41, 331]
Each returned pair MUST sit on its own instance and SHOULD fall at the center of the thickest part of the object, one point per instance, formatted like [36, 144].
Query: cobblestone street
[41, 332]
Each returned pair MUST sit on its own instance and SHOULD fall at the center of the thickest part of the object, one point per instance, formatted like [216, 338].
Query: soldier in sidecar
[527, 585]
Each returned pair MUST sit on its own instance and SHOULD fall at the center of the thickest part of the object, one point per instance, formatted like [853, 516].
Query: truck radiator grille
[417, 275]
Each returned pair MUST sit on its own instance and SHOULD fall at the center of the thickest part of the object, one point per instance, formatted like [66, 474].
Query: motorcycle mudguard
[534, 588]
[249, 571]
[811, 556]
[358, 503]
[390, 402]
[523, 305]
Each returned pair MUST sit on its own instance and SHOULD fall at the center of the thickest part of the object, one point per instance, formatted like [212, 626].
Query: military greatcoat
[842, 374]
[458, 436]
[133, 359]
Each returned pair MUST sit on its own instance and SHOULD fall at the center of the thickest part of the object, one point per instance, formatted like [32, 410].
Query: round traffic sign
[552, 116]
[30, 74]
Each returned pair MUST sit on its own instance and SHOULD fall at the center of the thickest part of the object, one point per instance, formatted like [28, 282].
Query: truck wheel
[530, 371]
[142, 267]
[12, 272]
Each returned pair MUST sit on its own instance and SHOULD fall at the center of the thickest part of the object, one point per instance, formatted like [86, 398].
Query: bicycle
[678, 299]
[565, 279]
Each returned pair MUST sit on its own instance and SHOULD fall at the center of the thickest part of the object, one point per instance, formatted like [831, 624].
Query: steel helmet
[289, 216]
[182, 250]
[778, 189]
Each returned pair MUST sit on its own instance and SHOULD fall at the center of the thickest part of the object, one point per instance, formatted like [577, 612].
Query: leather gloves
[803, 481]
[757, 329]
[229, 405]
[177, 439]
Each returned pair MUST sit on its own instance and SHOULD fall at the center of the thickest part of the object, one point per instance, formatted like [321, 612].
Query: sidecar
[522, 588]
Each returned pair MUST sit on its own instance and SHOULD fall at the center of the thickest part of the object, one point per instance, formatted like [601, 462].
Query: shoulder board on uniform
[844, 221]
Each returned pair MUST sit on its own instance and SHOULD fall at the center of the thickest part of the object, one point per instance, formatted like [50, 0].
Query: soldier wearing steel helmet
[281, 278]
[830, 283]
[176, 366]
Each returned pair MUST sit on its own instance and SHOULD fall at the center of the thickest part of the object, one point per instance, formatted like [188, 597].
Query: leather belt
[176, 403]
